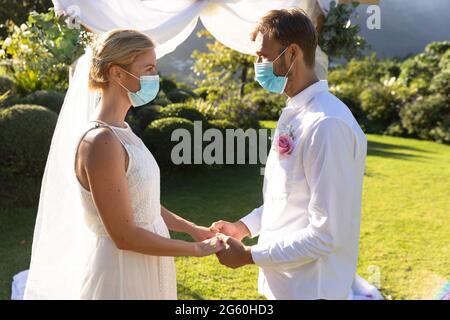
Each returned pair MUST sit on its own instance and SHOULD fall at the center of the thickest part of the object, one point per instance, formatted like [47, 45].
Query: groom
[308, 225]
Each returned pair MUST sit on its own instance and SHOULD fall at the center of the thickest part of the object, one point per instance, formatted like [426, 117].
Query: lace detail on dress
[143, 182]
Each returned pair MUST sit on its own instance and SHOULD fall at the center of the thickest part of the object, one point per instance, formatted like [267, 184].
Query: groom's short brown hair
[289, 26]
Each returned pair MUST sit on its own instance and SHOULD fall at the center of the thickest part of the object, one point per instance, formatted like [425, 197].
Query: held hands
[235, 254]
[208, 247]
[206, 241]
[230, 251]
[224, 239]
[237, 230]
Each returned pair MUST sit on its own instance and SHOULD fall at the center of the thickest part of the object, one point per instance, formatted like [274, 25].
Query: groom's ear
[295, 54]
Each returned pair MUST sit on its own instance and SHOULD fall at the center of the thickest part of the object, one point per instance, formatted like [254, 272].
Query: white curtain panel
[169, 23]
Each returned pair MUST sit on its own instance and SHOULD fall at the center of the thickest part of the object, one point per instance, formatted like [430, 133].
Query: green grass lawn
[405, 231]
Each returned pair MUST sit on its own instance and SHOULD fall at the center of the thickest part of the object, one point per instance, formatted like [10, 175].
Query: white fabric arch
[169, 23]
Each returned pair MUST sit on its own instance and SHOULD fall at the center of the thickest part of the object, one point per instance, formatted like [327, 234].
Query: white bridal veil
[61, 238]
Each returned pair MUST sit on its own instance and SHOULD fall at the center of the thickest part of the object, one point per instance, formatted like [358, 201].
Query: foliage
[222, 125]
[222, 68]
[25, 134]
[180, 110]
[418, 71]
[52, 100]
[157, 138]
[405, 98]
[380, 107]
[140, 118]
[428, 118]
[338, 37]
[178, 95]
[17, 11]
[6, 84]
[267, 105]
[41, 50]
[239, 112]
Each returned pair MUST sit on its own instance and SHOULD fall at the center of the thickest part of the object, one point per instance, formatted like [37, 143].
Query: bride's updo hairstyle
[119, 47]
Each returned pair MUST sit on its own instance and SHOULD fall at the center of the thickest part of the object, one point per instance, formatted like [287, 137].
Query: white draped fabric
[169, 23]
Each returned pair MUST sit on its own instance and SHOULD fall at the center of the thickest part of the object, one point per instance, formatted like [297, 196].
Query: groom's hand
[235, 254]
[237, 230]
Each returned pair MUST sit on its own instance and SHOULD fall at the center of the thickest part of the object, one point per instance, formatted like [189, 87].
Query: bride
[101, 232]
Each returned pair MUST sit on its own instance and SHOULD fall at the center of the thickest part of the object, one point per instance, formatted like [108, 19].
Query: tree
[222, 68]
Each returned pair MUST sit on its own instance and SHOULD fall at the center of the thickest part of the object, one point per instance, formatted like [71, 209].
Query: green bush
[380, 107]
[157, 138]
[212, 94]
[418, 71]
[3, 98]
[52, 100]
[242, 113]
[25, 135]
[167, 85]
[349, 80]
[147, 114]
[441, 83]
[268, 105]
[180, 95]
[349, 94]
[6, 84]
[377, 90]
[208, 110]
[363, 72]
[141, 117]
[202, 92]
[428, 118]
[222, 125]
[444, 64]
[161, 99]
[181, 110]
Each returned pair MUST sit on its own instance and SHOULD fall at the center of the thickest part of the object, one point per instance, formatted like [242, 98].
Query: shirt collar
[303, 97]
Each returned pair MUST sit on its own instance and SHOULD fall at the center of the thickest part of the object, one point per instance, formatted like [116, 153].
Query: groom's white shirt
[309, 223]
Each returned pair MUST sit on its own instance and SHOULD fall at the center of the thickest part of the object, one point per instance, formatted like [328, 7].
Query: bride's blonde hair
[119, 47]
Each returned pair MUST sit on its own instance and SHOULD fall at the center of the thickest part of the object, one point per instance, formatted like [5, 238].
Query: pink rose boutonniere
[284, 142]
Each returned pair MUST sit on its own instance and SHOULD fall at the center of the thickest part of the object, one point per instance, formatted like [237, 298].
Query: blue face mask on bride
[267, 79]
[148, 92]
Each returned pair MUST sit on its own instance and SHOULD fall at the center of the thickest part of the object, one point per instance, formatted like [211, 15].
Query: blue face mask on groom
[267, 79]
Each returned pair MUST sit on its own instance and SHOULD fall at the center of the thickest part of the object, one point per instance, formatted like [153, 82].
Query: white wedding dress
[118, 274]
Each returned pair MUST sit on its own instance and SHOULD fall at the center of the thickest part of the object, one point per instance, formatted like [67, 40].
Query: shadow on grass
[386, 150]
[187, 292]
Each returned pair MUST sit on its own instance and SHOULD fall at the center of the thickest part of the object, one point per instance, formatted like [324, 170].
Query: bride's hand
[199, 233]
[208, 247]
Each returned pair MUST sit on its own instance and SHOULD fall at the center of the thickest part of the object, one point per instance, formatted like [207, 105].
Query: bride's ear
[114, 72]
